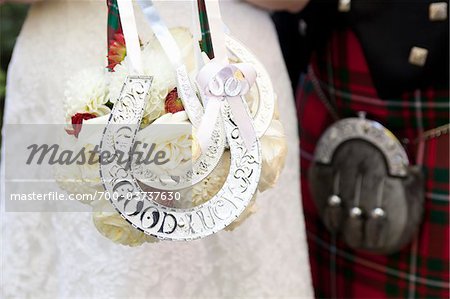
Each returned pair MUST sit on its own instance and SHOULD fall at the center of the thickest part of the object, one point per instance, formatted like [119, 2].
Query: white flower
[156, 63]
[112, 226]
[171, 135]
[84, 178]
[88, 139]
[92, 131]
[87, 92]
[71, 179]
[274, 150]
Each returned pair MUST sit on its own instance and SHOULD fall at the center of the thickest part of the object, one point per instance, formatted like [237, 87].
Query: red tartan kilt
[421, 270]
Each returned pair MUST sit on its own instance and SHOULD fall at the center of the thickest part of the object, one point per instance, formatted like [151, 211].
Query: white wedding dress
[61, 255]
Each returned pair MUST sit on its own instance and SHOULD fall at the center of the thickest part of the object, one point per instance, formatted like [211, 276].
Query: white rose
[87, 92]
[171, 135]
[84, 178]
[90, 136]
[156, 64]
[92, 131]
[70, 179]
[112, 226]
[75, 178]
[274, 150]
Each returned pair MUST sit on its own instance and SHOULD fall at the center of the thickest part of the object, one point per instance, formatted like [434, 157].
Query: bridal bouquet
[90, 99]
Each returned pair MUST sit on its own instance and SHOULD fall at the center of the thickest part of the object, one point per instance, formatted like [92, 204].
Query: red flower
[77, 121]
[117, 51]
[173, 103]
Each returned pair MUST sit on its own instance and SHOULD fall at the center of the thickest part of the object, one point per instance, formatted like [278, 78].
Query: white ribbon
[161, 32]
[191, 103]
[221, 82]
[130, 35]
[216, 30]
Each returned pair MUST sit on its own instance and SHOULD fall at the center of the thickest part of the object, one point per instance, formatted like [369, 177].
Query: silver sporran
[364, 187]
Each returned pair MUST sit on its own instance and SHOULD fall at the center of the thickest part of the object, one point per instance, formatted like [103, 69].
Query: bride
[61, 255]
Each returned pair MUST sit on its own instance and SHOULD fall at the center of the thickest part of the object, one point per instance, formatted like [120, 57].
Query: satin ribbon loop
[130, 35]
[219, 83]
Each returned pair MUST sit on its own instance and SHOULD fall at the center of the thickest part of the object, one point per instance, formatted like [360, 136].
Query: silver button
[418, 56]
[334, 200]
[378, 213]
[355, 212]
[438, 11]
[344, 5]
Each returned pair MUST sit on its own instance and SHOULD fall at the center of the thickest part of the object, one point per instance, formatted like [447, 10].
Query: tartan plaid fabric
[421, 270]
[114, 25]
[206, 42]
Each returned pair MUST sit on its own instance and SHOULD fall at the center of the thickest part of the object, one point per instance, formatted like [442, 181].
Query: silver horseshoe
[207, 162]
[161, 221]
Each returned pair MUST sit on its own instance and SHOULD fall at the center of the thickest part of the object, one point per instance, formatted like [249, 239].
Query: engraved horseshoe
[205, 164]
[161, 221]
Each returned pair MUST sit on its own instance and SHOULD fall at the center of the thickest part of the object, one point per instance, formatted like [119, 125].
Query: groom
[390, 60]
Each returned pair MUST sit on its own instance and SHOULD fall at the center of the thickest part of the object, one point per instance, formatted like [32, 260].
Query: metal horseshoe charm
[153, 218]
[262, 117]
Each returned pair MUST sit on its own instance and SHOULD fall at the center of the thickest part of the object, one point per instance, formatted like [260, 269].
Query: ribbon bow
[221, 83]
